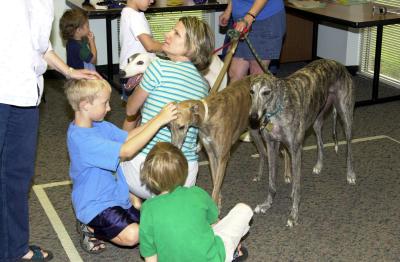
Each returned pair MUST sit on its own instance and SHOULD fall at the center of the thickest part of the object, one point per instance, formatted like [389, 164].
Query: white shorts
[233, 227]
[131, 170]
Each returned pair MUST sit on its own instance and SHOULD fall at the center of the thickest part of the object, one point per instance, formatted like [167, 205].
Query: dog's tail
[334, 113]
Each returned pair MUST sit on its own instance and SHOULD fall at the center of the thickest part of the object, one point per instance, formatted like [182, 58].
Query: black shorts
[111, 221]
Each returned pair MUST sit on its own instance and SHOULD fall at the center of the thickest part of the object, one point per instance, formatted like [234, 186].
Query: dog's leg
[320, 145]
[219, 177]
[256, 136]
[288, 166]
[344, 106]
[273, 151]
[334, 133]
[295, 152]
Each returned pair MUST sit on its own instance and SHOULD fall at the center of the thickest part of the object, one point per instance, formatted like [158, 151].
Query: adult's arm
[135, 102]
[251, 15]
[54, 61]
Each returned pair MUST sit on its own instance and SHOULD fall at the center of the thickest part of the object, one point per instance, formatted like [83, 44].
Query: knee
[130, 235]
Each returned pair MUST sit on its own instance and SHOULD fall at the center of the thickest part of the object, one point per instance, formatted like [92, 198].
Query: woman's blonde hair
[165, 168]
[199, 41]
[81, 90]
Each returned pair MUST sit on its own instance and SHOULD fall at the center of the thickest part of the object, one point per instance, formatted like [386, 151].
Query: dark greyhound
[287, 107]
[221, 118]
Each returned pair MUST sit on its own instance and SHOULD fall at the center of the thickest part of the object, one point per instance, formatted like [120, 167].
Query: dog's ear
[195, 112]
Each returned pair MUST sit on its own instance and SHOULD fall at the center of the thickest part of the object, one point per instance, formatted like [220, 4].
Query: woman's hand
[167, 114]
[224, 18]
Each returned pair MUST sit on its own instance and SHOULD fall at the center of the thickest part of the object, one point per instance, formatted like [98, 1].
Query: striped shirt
[167, 81]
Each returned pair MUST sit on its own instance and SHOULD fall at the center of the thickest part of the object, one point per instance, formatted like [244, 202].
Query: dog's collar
[205, 110]
[278, 109]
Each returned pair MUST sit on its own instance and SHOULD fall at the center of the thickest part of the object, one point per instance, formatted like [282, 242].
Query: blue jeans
[18, 140]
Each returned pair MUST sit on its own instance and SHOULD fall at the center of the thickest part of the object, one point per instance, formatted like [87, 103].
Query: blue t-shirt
[78, 53]
[98, 181]
[167, 81]
[241, 7]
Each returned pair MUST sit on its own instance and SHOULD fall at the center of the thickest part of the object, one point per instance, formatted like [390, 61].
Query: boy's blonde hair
[199, 40]
[70, 21]
[165, 168]
[81, 90]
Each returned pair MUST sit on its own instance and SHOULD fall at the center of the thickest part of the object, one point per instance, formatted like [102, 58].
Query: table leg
[109, 50]
[377, 63]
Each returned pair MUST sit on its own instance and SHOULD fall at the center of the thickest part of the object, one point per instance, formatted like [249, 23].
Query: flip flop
[243, 257]
[38, 255]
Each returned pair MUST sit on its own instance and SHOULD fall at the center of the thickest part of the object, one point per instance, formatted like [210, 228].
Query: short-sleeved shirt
[133, 24]
[241, 7]
[166, 81]
[98, 181]
[78, 52]
[177, 227]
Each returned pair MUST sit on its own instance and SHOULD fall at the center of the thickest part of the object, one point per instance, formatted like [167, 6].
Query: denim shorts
[111, 221]
[266, 36]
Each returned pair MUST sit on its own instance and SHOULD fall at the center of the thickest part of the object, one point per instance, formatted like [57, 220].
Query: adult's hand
[83, 74]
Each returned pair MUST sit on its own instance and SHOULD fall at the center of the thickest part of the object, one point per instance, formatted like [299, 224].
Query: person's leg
[131, 170]
[256, 69]
[18, 140]
[238, 69]
[233, 227]
[117, 225]
[128, 237]
[193, 169]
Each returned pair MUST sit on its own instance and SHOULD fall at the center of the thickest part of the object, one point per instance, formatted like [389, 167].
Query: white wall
[340, 44]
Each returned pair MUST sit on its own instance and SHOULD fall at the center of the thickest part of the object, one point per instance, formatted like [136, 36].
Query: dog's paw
[288, 179]
[256, 179]
[262, 208]
[351, 178]
[317, 169]
[290, 223]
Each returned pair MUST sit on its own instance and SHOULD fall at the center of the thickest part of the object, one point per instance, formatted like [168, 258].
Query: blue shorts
[266, 36]
[111, 221]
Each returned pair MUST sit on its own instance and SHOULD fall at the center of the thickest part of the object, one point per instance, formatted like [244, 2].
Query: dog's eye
[140, 63]
[265, 93]
[181, 127]
[251, 92]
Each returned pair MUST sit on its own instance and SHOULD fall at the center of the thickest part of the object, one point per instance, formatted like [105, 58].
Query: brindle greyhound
[221, 118]
[287, 107]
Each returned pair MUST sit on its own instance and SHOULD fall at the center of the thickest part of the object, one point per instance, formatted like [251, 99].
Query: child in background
[176, 225]
[135, 36]
[81, 46]
[100, 194]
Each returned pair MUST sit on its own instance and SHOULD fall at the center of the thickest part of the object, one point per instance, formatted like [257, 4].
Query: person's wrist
[251, 16]
[69, 72]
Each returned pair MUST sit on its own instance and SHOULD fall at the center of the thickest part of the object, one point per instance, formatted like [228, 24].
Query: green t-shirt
[177, 227]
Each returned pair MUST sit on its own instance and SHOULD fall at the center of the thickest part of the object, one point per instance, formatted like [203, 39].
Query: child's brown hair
[165, 168]
[70, 21]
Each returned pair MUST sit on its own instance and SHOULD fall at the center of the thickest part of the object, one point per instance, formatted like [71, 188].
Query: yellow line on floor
[56, 222]
[343, 142]
[62, 233]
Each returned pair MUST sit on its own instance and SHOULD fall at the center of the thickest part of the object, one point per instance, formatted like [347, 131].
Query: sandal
[88, 241]
[38, 255]
[243, 257]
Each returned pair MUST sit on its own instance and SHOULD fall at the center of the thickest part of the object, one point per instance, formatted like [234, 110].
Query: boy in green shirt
[176, 225]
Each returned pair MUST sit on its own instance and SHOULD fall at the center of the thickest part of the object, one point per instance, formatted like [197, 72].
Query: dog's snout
[122, 73]
[254, 121]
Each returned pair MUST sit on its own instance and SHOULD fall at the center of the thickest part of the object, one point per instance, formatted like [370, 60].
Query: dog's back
[316, 86]
[229, 110]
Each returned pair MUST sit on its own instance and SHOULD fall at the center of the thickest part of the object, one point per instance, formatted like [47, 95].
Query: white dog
[138, 63]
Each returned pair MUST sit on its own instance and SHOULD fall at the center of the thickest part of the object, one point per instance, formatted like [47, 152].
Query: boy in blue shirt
[100, 194]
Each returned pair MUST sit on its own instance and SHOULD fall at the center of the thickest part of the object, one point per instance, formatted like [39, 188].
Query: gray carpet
[338, 222]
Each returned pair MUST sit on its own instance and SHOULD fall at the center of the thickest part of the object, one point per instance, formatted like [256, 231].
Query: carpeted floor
[338, 222]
